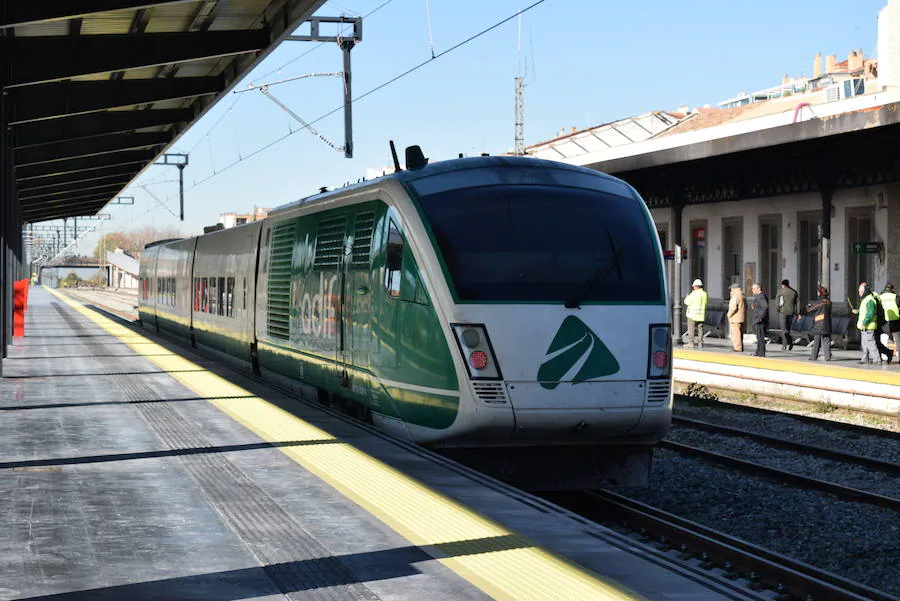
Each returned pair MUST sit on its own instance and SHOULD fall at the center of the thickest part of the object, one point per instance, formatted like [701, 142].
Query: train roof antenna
[394, 156]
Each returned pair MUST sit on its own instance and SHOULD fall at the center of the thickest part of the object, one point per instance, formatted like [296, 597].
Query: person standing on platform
[820, 310]
[737, 314]
[867, 323]
[695, 304]
[759, 307]
[892, 317]
[787, 311]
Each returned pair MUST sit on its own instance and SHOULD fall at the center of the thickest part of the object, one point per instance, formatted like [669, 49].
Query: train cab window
[393, 260]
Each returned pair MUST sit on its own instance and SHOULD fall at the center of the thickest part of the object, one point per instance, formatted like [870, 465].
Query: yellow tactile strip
[810, 368]
[500, 562]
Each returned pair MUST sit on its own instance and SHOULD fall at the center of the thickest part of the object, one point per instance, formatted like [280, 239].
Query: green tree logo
[575, 355]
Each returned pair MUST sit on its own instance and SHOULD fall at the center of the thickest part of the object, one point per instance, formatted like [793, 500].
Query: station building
[800, 181]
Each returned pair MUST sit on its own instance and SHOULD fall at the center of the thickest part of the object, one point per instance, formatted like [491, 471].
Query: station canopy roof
[98, 89]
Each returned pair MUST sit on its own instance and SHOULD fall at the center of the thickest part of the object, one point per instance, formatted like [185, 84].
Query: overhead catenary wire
[380, 86]
[278, 70]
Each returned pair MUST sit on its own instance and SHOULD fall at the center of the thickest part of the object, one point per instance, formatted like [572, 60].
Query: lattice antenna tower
[520, 97]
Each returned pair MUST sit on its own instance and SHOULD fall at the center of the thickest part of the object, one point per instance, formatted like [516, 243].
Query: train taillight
[659, 360]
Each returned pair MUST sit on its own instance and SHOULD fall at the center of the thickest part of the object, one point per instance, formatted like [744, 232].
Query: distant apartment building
[229, 220]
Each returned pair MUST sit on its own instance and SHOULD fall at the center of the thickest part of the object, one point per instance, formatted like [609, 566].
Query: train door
[355, 332]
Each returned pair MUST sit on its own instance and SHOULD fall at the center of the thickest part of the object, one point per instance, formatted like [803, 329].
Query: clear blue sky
[589, 62]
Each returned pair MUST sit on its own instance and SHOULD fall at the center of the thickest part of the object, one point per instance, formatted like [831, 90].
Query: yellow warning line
[811, 368]
[499, 561]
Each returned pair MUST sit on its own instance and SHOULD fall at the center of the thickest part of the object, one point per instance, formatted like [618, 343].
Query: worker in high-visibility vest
[891, 315]
[695, 311]
[867, 323]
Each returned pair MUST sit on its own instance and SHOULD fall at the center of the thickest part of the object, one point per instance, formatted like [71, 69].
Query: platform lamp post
[181, 161]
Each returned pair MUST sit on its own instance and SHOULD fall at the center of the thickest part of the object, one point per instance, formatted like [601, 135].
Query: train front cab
[558, 308]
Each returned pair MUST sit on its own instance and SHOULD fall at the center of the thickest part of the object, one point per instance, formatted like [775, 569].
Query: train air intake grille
[658, 392]
[330, 243]
[279, 288]
[362, 239]
[490, 392]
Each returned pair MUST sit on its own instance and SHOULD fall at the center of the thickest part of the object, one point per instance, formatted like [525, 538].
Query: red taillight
[660, 359]
[478, 360]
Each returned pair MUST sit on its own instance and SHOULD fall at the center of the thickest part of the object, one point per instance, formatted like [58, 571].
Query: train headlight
[475, 348]
[470, 338]
[659, 359]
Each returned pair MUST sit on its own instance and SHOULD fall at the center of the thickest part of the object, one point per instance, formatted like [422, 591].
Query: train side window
[222, 296]
[393, 261]
[196, 294]
[213, 296]
[229, 297]
[204, 295]
[268, 257]
[245, 294]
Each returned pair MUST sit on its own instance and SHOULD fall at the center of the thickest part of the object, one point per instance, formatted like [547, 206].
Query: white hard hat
[697, 282]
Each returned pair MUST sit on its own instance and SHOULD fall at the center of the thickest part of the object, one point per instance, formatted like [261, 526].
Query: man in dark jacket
[787, 310]
[820, 311]
[759, 305]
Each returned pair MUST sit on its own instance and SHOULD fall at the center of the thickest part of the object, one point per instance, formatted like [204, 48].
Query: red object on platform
[20, 302]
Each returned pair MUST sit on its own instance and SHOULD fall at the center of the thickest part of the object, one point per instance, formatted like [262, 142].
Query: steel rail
[807, 482]
[825, 423]
[791, 445]
[772, 569]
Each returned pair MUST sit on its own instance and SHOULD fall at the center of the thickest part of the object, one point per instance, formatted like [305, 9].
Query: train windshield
[543, 243]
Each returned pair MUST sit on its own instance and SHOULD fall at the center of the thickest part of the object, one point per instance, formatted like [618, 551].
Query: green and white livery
[510, 311]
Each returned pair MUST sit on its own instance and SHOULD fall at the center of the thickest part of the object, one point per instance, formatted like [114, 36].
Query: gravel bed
[785, 426]
[857, 541]
[830, 470]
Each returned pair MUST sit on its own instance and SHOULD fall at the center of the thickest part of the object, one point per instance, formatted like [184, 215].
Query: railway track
[760, 567]
[832, 423]
[783, 443]
[794, 479]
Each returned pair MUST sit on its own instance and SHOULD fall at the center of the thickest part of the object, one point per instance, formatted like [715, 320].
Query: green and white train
[510, 311]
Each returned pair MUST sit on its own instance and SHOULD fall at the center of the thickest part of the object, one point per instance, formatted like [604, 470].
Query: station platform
[134, 469]
[841, 382]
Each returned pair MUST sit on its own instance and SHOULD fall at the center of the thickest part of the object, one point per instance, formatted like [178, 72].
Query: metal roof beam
[63, 99]
[48, 211]
[116, 171]
[35, 60]
[70, 149]
[86, 125]
[23, 12]
[129, 157]
[74, 189]
[59, 197]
